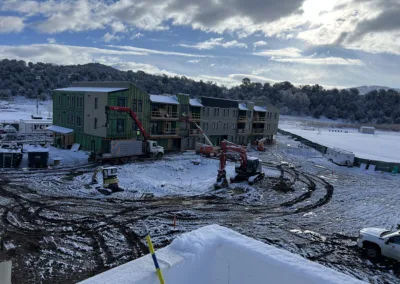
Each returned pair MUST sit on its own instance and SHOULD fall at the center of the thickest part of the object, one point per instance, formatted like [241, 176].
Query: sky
[334, 43]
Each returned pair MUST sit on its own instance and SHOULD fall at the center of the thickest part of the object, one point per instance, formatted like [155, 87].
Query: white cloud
[148, 68]
[118, 27]
[322, 61]
[212, 65]
[137, 35]
[295, 55]
[215, 42]
[284, 52]
[111, 37]
[259, 43]
[193, 61]
[60, 54]
[10, 24]
[51, 40]
[153, 51]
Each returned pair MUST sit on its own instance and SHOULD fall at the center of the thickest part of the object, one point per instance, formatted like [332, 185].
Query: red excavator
[250, 168]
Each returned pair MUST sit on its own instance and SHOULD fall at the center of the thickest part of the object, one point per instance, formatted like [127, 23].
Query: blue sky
[335, 43]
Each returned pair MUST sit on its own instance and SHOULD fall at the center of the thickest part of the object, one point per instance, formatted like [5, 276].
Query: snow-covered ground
[382, 146]
[215, 255]
[23, 108]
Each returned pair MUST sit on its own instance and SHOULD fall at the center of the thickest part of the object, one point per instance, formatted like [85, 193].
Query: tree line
[30, 80]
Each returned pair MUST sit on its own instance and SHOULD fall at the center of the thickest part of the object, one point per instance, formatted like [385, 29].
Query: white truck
[378, 242]
[123, 151]
[340, 157]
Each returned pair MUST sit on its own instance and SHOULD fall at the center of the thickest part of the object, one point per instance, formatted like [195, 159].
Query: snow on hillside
[383, 145]
[214, 254]
[23, 109]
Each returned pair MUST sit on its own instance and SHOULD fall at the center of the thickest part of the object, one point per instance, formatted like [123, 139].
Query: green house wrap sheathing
[62, 106]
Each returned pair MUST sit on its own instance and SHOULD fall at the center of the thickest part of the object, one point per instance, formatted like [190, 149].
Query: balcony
[165, 133]
[243, 118]
[194, 132]
[164, 115]
[242, 132]
[195, 116]
[260, 119]
[258, 131]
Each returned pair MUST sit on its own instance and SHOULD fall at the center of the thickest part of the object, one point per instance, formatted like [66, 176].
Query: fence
[380, 165]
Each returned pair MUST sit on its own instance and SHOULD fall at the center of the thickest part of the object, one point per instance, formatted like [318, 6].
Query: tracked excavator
[110, 178]
[249, 170]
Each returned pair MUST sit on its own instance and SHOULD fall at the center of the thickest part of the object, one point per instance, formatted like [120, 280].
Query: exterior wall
[91, 113]
[67, 111]
[271, 121]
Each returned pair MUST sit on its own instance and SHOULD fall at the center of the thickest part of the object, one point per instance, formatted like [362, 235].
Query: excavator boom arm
[226, 147]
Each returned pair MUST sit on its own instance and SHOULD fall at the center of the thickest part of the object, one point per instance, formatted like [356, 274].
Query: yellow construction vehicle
[110, 179]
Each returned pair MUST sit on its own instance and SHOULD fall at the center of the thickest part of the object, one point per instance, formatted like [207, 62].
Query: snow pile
[214, 254]
[382, 146]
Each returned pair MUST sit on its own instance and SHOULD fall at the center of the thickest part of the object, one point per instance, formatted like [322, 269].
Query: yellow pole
[153, 255]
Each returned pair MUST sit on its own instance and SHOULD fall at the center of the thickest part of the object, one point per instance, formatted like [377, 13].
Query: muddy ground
[315, 212]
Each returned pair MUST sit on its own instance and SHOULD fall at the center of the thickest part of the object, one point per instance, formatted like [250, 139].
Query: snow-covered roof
[243, 107]
[214, 254]
[59, 129]
[91, 89]
[195, 103]
[164, 99]
[367, 127]
[35, 149]
[260, 108]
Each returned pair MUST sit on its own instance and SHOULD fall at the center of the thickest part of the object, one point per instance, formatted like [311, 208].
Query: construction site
[83, 199]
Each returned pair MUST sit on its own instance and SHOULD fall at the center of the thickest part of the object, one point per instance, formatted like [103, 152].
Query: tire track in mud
[60, 216]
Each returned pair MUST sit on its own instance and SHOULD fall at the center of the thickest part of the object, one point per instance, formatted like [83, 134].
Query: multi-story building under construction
[80, 116]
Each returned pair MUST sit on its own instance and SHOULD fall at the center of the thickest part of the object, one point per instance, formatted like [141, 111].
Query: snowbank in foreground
[214, 254]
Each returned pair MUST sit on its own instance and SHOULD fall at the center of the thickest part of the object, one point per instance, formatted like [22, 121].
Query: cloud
[284, 52]
[215, 42]
[259, 43]
[60, 54]
[322, 61]
[10, 24]
[51, 40]
[118, 27]
[137, 35]
[148, 68]
[193, 61]
[111, 37]
[153, 51]
[295, 55]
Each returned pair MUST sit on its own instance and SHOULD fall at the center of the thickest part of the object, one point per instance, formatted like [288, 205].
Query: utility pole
[37, 98]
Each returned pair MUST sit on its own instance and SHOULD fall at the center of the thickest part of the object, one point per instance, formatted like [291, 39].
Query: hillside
[19, 78]
[366, 89]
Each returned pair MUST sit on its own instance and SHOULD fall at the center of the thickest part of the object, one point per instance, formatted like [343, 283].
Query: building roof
[243, 107]
[164, 99]
[195, 103]
[368, 127]
[91, 89]
[260, 108]
[217, 102]
[59, 129]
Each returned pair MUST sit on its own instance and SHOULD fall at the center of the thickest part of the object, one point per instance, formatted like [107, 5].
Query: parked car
[378, 242]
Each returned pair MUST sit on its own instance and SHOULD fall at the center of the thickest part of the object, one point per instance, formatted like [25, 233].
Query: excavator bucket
[222, 181]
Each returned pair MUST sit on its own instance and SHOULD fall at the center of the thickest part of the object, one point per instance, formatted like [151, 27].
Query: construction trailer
[34, 126]
[340, 157]
[367, 129]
